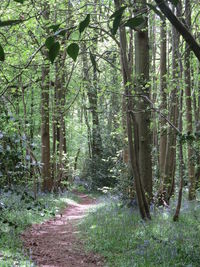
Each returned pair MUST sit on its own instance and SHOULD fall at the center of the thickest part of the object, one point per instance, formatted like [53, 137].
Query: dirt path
[54, 243]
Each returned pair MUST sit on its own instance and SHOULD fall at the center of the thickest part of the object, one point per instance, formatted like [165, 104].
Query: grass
[124, 240]
[19, 211]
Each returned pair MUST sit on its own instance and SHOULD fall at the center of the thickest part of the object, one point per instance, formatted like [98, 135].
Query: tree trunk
[187, 36]
[93, 100]
[46, 167]
[188, 100]
[143, 117]
[170, 158]
[87, 84]
[130, 116]
[45, 137]
[181, 161]
[163, 106]
[197, 128]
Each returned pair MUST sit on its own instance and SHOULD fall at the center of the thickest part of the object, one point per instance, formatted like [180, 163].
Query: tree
[143, 118]
[45, 134]
[163, 106]
[136, 122]
[179, 27]
[188, 99]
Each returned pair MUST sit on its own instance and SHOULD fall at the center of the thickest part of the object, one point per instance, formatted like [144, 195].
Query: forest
[100, 133]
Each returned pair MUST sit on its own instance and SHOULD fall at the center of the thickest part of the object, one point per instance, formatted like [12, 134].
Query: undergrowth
[125, 240]
[19, 211]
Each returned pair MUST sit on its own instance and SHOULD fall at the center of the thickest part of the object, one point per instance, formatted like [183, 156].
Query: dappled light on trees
[102, 96]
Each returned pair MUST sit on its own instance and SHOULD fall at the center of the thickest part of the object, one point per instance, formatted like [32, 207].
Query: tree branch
[187, 36]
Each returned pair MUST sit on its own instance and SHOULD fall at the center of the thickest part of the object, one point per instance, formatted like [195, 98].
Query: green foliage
[2, 54]
[117, 15]
[54, 51]
[106, 170]
[23, 32]
[118, 12]
[73, 50]
[125, 241]
[10, 22]
[116, 23]
[135, 22]
[12, 166]
[96, 172]
[49, 42]
[124, 187]
[54, 27]
[53, 47]
[84, 24]
[18, 211]
[186, 138]
[20, 1]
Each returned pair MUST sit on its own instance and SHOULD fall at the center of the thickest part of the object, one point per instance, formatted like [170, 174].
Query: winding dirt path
[54, 243]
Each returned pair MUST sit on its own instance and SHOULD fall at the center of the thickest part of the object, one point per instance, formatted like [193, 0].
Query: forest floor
[55, 243]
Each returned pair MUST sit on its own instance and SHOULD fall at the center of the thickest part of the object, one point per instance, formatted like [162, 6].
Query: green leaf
[133, 23]
[118, 12]
[74, 35]
[49, 42]
[156, 11]
[84, 24]
[54, 27]
[174, 2]
[117, 15]
[10, 22]
[116, 23]
[2, 54]
[54, 51]
[73, 50]
[19, 1]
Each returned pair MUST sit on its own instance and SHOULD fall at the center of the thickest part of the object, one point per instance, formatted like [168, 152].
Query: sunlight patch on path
[55, 243]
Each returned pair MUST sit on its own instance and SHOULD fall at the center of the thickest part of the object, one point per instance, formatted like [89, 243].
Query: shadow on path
[54, 243]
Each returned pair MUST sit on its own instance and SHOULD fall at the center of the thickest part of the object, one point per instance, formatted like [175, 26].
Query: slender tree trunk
[197, 127]
[87, 83]
[170, 159]
[113, 122]
[46, 167]
[180, 27]
[143, 118]
[31, 130]
[181, 161]
[96, 136]
[45, 136]
[163, 106]
[188, 99]
[59, 122]
[93, 100]
[130, 117]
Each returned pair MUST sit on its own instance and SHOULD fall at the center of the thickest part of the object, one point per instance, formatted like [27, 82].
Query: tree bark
[170, 158]
[188, 101]
[143, 117]
[187, 36]
[130, 117]
[163, 106]
[46, 167]
[93, 100]
[45, 136]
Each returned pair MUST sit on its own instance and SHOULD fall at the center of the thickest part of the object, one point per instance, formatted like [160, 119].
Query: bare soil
[55, 243]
